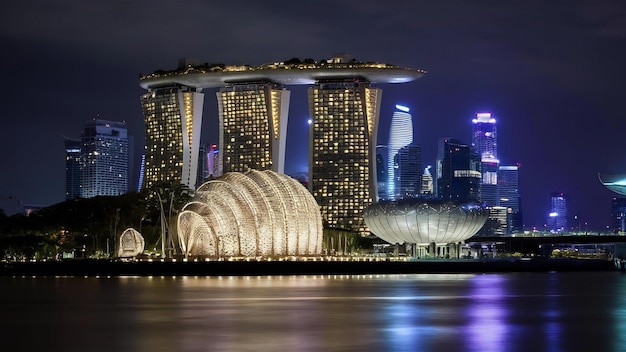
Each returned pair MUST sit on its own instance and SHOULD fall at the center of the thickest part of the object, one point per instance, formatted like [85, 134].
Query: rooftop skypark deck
[292, 72]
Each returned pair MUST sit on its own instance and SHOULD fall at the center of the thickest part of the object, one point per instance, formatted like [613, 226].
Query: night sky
[552, 72]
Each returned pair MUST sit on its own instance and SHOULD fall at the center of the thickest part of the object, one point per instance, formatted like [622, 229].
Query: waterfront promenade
[89, 267]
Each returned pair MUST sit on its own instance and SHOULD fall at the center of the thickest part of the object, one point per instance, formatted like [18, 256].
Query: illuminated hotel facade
[253, 108]
[173, 119]
[342, 172]
[252, 127]
[97, 164]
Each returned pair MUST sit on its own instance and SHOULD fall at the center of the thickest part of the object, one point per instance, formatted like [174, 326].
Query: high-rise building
[342, 150]
[508, 190]
[104, 159]
[458, 172]
[557, 218]
[618, 215]
[408, 171]
[208, 155]
[381, 171]
[253, 126]
[400, 135]
[173, 119]
[72, 168]
[484, 142]
[213, 155]
[427, 187]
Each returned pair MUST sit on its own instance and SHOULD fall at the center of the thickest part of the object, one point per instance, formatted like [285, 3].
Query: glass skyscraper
[508, 189]
[458, 172]
[382, 154]
[72, 168]
[484, 142]
[408, 171]
[557, 218]
[618, 215]
[173, 119]
[400, 135]
[103, 159]
[343, 149]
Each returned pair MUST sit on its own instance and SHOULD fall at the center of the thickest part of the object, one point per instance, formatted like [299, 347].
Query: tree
[168, 198]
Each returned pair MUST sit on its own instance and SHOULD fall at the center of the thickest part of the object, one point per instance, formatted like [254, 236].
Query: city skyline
[550, 72]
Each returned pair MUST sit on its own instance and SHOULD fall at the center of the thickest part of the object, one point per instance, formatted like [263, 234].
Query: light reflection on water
[456, 312]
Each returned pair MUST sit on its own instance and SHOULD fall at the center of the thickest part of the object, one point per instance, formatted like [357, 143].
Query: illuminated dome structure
[251, 214]
[424, 222]
[616, 183]
[131, 244]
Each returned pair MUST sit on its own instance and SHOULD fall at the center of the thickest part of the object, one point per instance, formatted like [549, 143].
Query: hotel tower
[342, 172]
[253, 106]
[253, 127]
[173, 118]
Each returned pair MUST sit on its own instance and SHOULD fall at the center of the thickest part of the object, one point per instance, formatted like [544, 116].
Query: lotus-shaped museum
[251, 214]
[424, 221]
[616, 183]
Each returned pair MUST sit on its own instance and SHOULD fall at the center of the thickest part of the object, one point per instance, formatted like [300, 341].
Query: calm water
[485, 312]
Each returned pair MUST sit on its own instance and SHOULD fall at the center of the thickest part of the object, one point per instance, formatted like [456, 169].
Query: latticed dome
[131, 244]
[256, 213]
[423, 221]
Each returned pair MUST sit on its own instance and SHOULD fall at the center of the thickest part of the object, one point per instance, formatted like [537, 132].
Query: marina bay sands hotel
[253, 106]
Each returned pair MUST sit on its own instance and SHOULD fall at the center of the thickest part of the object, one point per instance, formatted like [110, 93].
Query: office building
[104, 159]
[173, 118]
[427, 188]
[458, 172]
[484, 142]
[400, 135]
[557, 218]
[618, 215]
[72, 168]
[508, 190]
[208, 161]
[408, 172]
[381, 171]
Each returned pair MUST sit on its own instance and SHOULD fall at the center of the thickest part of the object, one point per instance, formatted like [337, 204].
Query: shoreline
[96, 267]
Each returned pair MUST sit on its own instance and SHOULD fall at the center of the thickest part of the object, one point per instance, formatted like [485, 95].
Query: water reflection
[486, 313]
[552, 316]
[495, 312]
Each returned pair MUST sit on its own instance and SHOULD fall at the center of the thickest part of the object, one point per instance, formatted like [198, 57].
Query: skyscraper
[618, 215]
[557, 218]
[381, 171]
[173, 118]
[484, 142]
[342, 150]
[253, 126]
[427, 187]
[104, 159]
[508, 189]
[408, 171]
[458, 172]
[208, 156]
[72, 168]
[400, 135]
